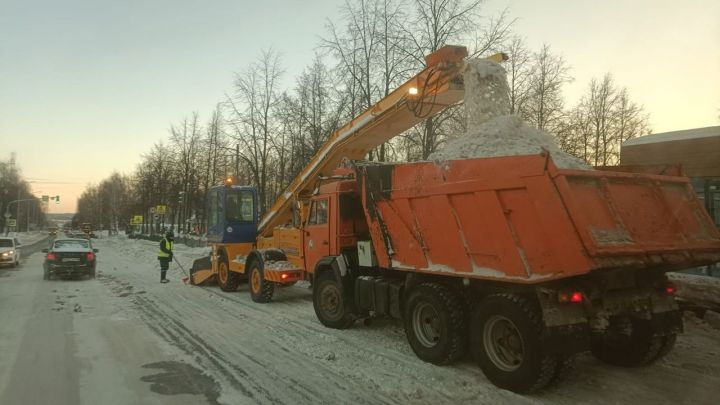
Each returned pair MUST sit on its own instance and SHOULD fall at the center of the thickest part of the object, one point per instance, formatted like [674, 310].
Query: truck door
[317, 233]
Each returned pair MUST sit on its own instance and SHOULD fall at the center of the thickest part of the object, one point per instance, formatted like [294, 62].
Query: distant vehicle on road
[70, 257]
[9, 251]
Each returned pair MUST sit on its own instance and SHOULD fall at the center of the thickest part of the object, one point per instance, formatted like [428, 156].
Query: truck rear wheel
[261, 290]
[330, 302]
[228, 280]
[435, 323]
[505, 337]
[631, 343]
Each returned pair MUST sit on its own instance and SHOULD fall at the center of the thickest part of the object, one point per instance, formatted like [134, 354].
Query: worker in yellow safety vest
[165, 254]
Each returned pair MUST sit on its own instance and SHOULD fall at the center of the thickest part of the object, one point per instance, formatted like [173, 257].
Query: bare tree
[603, 119]
[519, 71]
[544, 104]
[251, 117]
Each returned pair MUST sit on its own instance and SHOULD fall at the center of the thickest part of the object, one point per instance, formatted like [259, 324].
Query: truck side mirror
[45, 250]
[96, 250]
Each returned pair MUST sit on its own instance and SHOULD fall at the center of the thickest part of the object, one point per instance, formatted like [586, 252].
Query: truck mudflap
[569, 326]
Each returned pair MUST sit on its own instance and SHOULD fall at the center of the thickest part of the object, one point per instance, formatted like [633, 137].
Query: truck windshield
[6, 243]
[239, 206]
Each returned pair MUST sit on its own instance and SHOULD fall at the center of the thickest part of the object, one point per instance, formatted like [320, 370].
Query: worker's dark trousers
[164, 265]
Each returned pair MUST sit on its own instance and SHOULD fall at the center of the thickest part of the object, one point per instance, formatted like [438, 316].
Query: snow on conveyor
[491, 129]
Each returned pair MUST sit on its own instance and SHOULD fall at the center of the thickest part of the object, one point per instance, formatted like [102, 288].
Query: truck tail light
[51, 256]
[570, 297]
[670, 288]
[90, 256]
[284, 276]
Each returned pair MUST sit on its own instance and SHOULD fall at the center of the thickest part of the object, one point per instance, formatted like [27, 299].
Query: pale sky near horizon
[86, 86]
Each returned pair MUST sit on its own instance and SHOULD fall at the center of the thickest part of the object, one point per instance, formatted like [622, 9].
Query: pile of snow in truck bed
[491, 129]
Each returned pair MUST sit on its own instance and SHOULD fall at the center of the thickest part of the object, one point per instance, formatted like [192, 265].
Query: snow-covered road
[124, 338]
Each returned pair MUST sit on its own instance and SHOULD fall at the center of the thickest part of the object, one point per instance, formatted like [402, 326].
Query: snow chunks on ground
[491, 129]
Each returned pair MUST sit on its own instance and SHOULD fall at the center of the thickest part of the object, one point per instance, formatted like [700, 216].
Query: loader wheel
[506, 340]
[435, 323]
[330, 302]
[228, 280]
[261, 290]
[631, 343]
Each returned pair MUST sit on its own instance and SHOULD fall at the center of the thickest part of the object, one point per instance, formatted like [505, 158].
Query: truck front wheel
[505, 337]
[330, 302]
[631, 343]
[261, 290]
[435, 323]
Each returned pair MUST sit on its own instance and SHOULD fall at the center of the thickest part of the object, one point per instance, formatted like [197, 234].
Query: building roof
[675, 136]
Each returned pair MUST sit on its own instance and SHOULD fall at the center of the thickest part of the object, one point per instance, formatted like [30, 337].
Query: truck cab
[335, 223]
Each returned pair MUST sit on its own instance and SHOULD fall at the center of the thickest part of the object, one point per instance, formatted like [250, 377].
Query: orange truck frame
[511, 258]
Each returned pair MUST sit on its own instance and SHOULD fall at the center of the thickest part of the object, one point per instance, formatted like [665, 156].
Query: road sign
[7, 215]
[137, 220]
[11, 223]
[161, 209]
[152, 210]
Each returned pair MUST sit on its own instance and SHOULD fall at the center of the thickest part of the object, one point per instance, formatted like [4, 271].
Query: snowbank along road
[124, 338]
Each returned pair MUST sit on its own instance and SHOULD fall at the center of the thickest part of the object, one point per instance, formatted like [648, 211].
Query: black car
[70, 257]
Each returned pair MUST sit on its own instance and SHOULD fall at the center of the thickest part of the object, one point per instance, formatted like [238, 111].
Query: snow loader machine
[512, 259]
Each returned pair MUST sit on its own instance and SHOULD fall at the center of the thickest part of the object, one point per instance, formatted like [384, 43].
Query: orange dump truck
[512, 258]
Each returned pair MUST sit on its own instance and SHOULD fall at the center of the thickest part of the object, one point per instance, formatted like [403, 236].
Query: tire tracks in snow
[173, 330]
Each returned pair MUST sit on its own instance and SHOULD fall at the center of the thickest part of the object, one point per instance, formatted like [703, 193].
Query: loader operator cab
[232, 214]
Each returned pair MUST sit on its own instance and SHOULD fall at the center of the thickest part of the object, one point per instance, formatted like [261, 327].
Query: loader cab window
[239, 206]
[318, 212]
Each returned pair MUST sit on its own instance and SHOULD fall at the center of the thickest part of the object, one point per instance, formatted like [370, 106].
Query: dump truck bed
[522, 219]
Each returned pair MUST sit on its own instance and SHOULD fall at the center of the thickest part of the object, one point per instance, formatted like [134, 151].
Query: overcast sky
[86, 86]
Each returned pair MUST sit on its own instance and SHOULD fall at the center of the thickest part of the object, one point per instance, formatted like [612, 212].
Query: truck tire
[506, 339]
[565, 365]
[261, 290]
[631, 343]
[435, 323]
[330, 303]
[228, 280]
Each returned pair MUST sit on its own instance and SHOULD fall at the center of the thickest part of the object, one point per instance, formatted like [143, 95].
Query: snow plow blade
[201, 271]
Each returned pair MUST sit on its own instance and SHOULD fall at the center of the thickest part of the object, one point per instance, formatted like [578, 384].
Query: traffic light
[45, 198]
[57, 199]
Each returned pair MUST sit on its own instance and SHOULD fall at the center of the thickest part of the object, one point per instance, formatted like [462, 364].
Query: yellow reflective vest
[168, 246]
